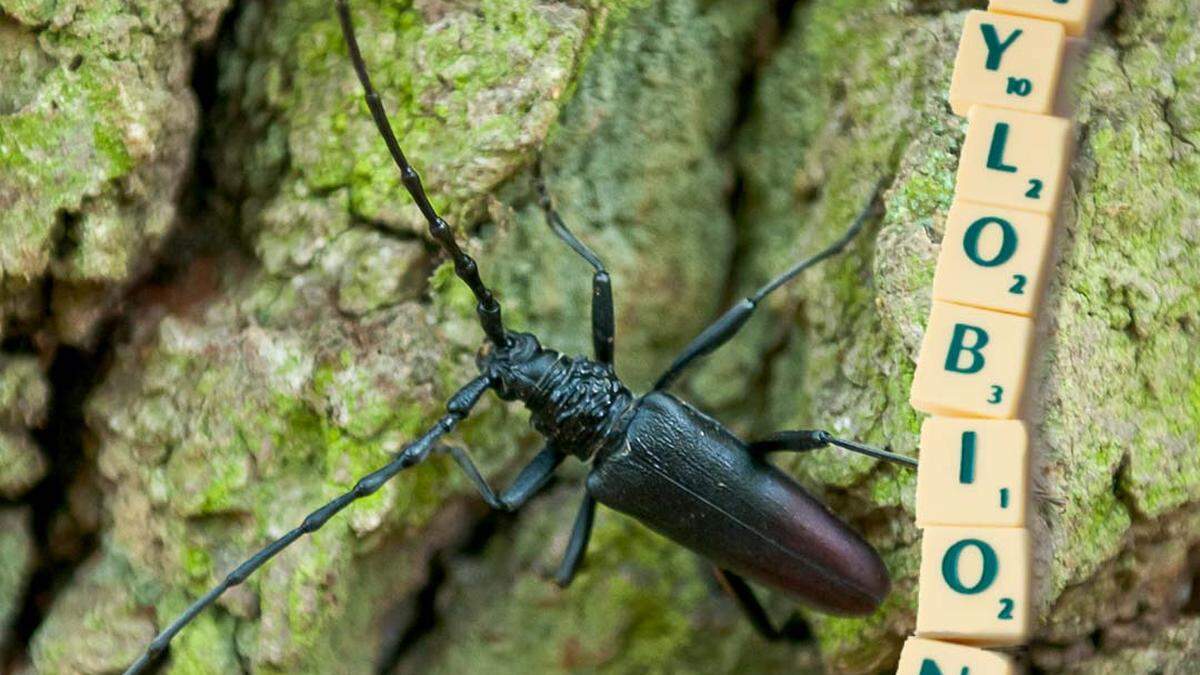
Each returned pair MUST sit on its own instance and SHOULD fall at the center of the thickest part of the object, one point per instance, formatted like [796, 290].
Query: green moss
[94, 142]
[221, 427]
[205, 648]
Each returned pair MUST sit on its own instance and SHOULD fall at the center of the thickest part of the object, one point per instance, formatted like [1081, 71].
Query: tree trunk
[219, 309]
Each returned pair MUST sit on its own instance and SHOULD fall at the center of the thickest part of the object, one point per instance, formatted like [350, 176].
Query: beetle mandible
[653, 457]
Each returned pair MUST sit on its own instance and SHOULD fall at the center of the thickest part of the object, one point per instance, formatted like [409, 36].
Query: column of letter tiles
[973, 483]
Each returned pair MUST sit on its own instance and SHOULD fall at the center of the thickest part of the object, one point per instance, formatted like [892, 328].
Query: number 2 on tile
[1018, 288]
[1035, 189]
[1006, 609]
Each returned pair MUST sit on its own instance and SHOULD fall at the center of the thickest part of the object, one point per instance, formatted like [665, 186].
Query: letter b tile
[973, 472]
[1014, 160]
[993, 258]
[972, 363]
[974, 585]
[1009, 62]
[930, 657]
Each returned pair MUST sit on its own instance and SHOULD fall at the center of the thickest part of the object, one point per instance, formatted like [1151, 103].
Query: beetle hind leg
[815, 439]
[795, 629]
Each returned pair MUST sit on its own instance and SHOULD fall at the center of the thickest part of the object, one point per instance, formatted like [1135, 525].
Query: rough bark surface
[200, 346]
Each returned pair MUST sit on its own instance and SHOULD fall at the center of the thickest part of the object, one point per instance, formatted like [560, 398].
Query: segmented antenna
[414, 453]
[486, 306]
[728, 324]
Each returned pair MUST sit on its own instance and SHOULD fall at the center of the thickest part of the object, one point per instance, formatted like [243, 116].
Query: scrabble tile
[1007, 61]
[972, 363]
[930, 657]
[994, 258]
[1077, 16]
[974, 585]
[1014, 159]
[973, 472]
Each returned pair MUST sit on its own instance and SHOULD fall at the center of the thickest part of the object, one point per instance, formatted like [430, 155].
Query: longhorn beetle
[655, 458]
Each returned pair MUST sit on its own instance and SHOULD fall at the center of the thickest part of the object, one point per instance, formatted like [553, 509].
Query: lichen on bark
[699, 146]
[96, 125]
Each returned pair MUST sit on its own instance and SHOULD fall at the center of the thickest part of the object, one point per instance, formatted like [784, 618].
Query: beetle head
[518, 367]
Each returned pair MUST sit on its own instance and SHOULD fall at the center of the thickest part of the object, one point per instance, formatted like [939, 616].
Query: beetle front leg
[581, 535]
[532, 478]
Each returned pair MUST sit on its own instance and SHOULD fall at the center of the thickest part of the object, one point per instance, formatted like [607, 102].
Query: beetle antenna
[486, 306]
[459, 406]
[728, 324]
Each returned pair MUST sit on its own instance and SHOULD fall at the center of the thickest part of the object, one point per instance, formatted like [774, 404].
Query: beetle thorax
[579, 405]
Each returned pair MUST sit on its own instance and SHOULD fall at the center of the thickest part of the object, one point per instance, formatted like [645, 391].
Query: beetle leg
[581, 534]
[793, 441]
[532, 478]
[814, 439]
[603, 317]
[794, 629]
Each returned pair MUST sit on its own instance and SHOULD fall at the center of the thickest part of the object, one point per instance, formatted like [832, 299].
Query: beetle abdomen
[684, 475]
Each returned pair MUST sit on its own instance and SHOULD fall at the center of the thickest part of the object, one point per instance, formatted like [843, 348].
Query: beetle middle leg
[739, 589]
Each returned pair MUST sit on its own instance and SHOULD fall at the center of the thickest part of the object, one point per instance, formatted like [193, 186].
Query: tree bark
[259, 321]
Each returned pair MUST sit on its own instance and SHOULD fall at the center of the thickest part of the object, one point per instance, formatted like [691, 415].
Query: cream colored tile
[972, 363]
[973, 472]
[930, 657]
[1014, 160]
[974, 585]
[994, 258]
[1077, 16]
[1007, 61]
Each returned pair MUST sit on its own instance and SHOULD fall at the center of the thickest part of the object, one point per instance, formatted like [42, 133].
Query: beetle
[654, 457]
